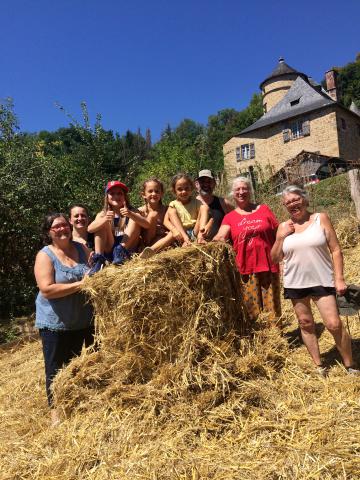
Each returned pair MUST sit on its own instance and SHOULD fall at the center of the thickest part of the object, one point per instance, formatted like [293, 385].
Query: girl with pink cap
[116, 228]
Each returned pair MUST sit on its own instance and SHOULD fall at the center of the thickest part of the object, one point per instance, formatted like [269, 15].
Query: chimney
[331, 86]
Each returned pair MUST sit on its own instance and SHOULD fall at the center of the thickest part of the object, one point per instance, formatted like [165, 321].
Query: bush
[33, 183]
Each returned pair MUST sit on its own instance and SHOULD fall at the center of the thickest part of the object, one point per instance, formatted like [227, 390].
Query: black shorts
[318, 291]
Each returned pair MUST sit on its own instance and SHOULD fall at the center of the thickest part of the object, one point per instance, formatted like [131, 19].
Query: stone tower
[276, 85]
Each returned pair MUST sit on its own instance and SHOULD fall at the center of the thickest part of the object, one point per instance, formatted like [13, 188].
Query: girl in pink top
[252, 229]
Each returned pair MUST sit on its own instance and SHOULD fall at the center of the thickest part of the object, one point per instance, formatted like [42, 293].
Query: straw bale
[173, 320]
[347, 231]
[276, 419]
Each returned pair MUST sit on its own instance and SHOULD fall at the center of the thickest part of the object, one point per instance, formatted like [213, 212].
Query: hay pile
[207, 403]
[173, 321]
[347, 230]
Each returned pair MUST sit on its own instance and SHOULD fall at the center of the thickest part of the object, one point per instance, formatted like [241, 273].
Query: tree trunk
[354, 177]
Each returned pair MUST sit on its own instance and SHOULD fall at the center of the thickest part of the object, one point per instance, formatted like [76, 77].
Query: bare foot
[55, 417]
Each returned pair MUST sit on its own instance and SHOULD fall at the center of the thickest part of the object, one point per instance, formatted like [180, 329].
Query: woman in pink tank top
[313, 269]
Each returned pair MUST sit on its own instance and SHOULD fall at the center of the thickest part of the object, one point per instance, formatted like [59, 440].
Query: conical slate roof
[282, 69]
[301, 98]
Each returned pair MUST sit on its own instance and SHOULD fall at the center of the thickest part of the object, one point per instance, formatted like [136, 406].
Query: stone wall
[271, 151]
[273, 92]
[349, 137]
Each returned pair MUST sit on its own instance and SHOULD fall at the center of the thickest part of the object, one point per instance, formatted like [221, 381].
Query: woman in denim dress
[63, 316]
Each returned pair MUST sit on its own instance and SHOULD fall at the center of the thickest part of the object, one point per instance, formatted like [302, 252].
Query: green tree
[32, 183]
[226, 124]
[9, 124]
[348, 82]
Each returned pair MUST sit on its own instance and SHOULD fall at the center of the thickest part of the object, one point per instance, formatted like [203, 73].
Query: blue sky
[149, 63]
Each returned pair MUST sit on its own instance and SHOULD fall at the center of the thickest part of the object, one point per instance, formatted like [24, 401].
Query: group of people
[74, 248]
[120, 230]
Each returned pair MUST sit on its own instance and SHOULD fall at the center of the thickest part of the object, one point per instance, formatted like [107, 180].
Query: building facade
[299, 115]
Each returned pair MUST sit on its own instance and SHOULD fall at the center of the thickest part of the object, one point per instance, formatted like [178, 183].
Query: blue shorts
[110, 255]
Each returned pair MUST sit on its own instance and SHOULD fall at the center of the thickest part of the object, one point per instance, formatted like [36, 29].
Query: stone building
[299, 116]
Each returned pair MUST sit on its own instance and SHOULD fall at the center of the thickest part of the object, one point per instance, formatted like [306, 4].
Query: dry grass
[347, 231]
[177, 392]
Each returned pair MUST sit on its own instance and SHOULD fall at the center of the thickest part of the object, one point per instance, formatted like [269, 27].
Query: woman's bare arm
[45, 279]
[284, 229]
[336, 253]
[223, 234]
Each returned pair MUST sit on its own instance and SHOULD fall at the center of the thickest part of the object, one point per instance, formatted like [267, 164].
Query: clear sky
[146, 63]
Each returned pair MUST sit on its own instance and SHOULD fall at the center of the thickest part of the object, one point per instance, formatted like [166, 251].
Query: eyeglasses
[59, 226]
[295, 201]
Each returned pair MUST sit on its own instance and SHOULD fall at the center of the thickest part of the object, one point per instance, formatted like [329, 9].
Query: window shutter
[252, 150]
[286, 135]
[306, 128]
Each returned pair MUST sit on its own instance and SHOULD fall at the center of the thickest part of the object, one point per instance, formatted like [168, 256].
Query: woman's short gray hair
[296, 189]
[241, 180]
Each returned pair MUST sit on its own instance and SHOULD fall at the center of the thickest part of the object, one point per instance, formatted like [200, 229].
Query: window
[343, 123]
[265, 107]
[295, 102]
[297, 129]
[358, 129]
[245, 152]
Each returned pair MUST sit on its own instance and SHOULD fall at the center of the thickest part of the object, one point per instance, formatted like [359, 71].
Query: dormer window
[295, 102]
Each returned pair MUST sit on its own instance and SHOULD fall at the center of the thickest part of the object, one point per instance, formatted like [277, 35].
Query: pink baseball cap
[116, 183]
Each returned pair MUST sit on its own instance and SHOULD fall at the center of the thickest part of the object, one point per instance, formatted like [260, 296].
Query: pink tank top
[307, 260]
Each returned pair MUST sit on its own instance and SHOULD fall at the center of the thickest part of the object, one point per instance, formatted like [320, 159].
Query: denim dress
[71, 312]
